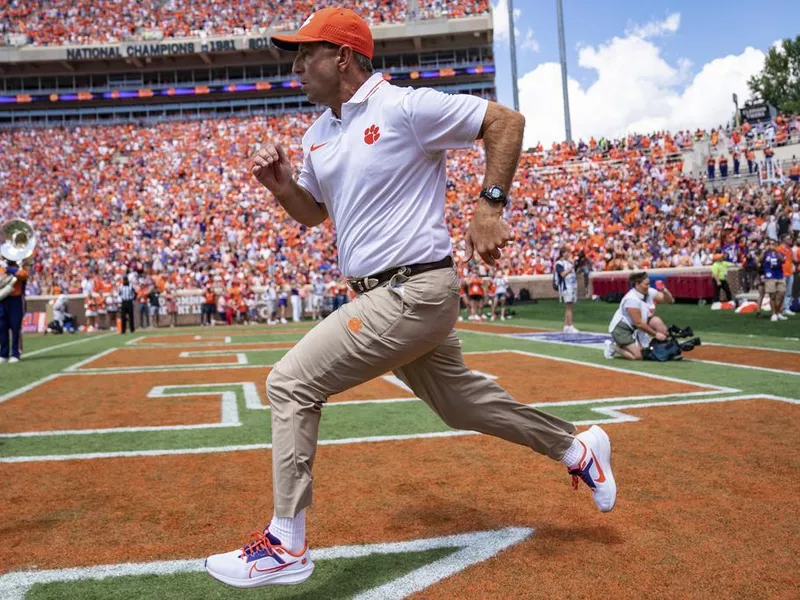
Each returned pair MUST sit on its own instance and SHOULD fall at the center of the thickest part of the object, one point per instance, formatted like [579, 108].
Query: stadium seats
[58, 22]
[177, 199]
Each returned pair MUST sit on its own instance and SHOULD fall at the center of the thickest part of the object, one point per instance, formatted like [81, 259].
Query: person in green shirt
[719, 271]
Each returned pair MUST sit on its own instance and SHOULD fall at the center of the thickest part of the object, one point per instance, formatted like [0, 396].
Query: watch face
[495, 192]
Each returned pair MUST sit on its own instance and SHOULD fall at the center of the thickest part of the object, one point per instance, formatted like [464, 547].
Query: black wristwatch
[495, 195]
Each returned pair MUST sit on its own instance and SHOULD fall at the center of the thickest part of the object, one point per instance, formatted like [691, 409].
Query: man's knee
[278, 387]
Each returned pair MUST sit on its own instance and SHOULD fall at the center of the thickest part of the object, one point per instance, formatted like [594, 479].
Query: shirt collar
[366, 89]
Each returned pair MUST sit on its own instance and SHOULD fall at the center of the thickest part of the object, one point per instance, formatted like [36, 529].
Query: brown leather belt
[365, 284]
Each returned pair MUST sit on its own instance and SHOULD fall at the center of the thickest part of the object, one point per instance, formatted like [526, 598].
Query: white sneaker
[789, 313]
[264, 561]
[3, 360]
[283, 321]
[609, 349]
[774, 318]
[594, 468]
[572, 329]
[782, 317]
[565, 329]
[13, 360]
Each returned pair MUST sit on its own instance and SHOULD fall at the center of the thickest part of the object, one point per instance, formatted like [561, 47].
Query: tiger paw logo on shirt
[371, 134]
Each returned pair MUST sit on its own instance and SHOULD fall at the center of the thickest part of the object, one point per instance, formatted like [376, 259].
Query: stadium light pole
[513, 47]
[563, 55]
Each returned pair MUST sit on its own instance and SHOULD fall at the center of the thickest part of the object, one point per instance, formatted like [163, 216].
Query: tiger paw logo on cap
[371, 134]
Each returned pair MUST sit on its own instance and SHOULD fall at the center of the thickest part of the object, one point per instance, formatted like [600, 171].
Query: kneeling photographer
[634, 324]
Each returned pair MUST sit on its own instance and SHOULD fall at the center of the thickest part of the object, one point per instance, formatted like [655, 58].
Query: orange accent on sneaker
[601, 477]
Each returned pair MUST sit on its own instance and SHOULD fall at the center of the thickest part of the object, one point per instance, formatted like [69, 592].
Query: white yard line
[472, 548]
[73, 343]
[752, 347]
[626, 371]
[741, 366]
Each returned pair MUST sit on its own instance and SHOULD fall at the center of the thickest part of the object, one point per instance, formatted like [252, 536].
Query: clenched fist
[272, 169]
[487, 234]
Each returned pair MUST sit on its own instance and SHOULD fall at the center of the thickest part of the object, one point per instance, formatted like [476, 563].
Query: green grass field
[156, 455]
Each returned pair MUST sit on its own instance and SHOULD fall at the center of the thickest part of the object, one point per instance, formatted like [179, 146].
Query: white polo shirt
[380, 171]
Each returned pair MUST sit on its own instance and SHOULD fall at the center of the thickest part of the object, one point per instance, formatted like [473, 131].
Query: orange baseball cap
[339, 26]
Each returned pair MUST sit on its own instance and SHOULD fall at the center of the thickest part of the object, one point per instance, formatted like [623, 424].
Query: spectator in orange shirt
[784, 249]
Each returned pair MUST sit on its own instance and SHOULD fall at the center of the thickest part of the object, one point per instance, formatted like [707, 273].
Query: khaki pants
[405, 326]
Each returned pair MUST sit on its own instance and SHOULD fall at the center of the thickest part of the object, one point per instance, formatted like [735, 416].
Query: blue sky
[680, 35]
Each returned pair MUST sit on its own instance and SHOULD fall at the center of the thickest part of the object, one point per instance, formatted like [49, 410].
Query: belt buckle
[357, 285]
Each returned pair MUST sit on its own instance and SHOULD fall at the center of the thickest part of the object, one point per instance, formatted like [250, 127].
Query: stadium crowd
[174, 204]
[60, 22]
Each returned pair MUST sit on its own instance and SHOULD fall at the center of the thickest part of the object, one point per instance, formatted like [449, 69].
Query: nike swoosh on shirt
[318, 146]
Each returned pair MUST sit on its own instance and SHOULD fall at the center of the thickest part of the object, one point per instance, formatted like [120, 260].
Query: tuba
[17, 243]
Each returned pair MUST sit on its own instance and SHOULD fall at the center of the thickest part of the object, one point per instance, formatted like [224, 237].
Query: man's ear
[344, 58]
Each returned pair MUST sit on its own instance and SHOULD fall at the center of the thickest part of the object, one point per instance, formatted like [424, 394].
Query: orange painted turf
[771, 359]
[699, 515]
[217, 337]
[158, 357]
[491, 328]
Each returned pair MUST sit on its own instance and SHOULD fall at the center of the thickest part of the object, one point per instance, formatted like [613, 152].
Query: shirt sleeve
[308, 179]
[652, 293]
[441, 121]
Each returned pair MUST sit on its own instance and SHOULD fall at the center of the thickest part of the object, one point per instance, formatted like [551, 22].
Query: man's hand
[272, 169]
[487, 233]
[660, 336]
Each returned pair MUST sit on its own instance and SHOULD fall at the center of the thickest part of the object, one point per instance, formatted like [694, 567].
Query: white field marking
[626, 371]
[241, 361]
[229, 411]
[616, 415]
[229, 416]
[611, 414]
[61, 432]
[754, 347]
[222, 449]
[91, 359]
[741, 366]
[202, 353]
[472, 548]
[200, 345]
[49, 348]
[169, 369]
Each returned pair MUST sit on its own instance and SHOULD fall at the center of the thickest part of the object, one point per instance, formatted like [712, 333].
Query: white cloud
[530, 43]
[500, 16]
[636, 90]
[656, 28]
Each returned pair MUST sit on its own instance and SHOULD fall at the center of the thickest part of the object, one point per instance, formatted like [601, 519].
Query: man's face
[315, 64]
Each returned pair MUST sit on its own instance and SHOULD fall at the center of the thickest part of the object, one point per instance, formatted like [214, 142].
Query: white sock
[291, 531]
[573, 453]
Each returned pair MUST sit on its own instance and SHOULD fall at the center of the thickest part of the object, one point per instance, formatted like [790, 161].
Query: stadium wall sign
[149, 49]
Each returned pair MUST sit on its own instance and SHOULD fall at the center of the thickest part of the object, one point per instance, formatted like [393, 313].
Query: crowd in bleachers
[59, 22]
[176, 201]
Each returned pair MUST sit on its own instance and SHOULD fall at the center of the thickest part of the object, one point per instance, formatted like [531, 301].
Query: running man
[375, 163]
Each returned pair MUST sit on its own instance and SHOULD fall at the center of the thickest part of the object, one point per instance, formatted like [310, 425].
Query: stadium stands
[59, 22]
[177, 199]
